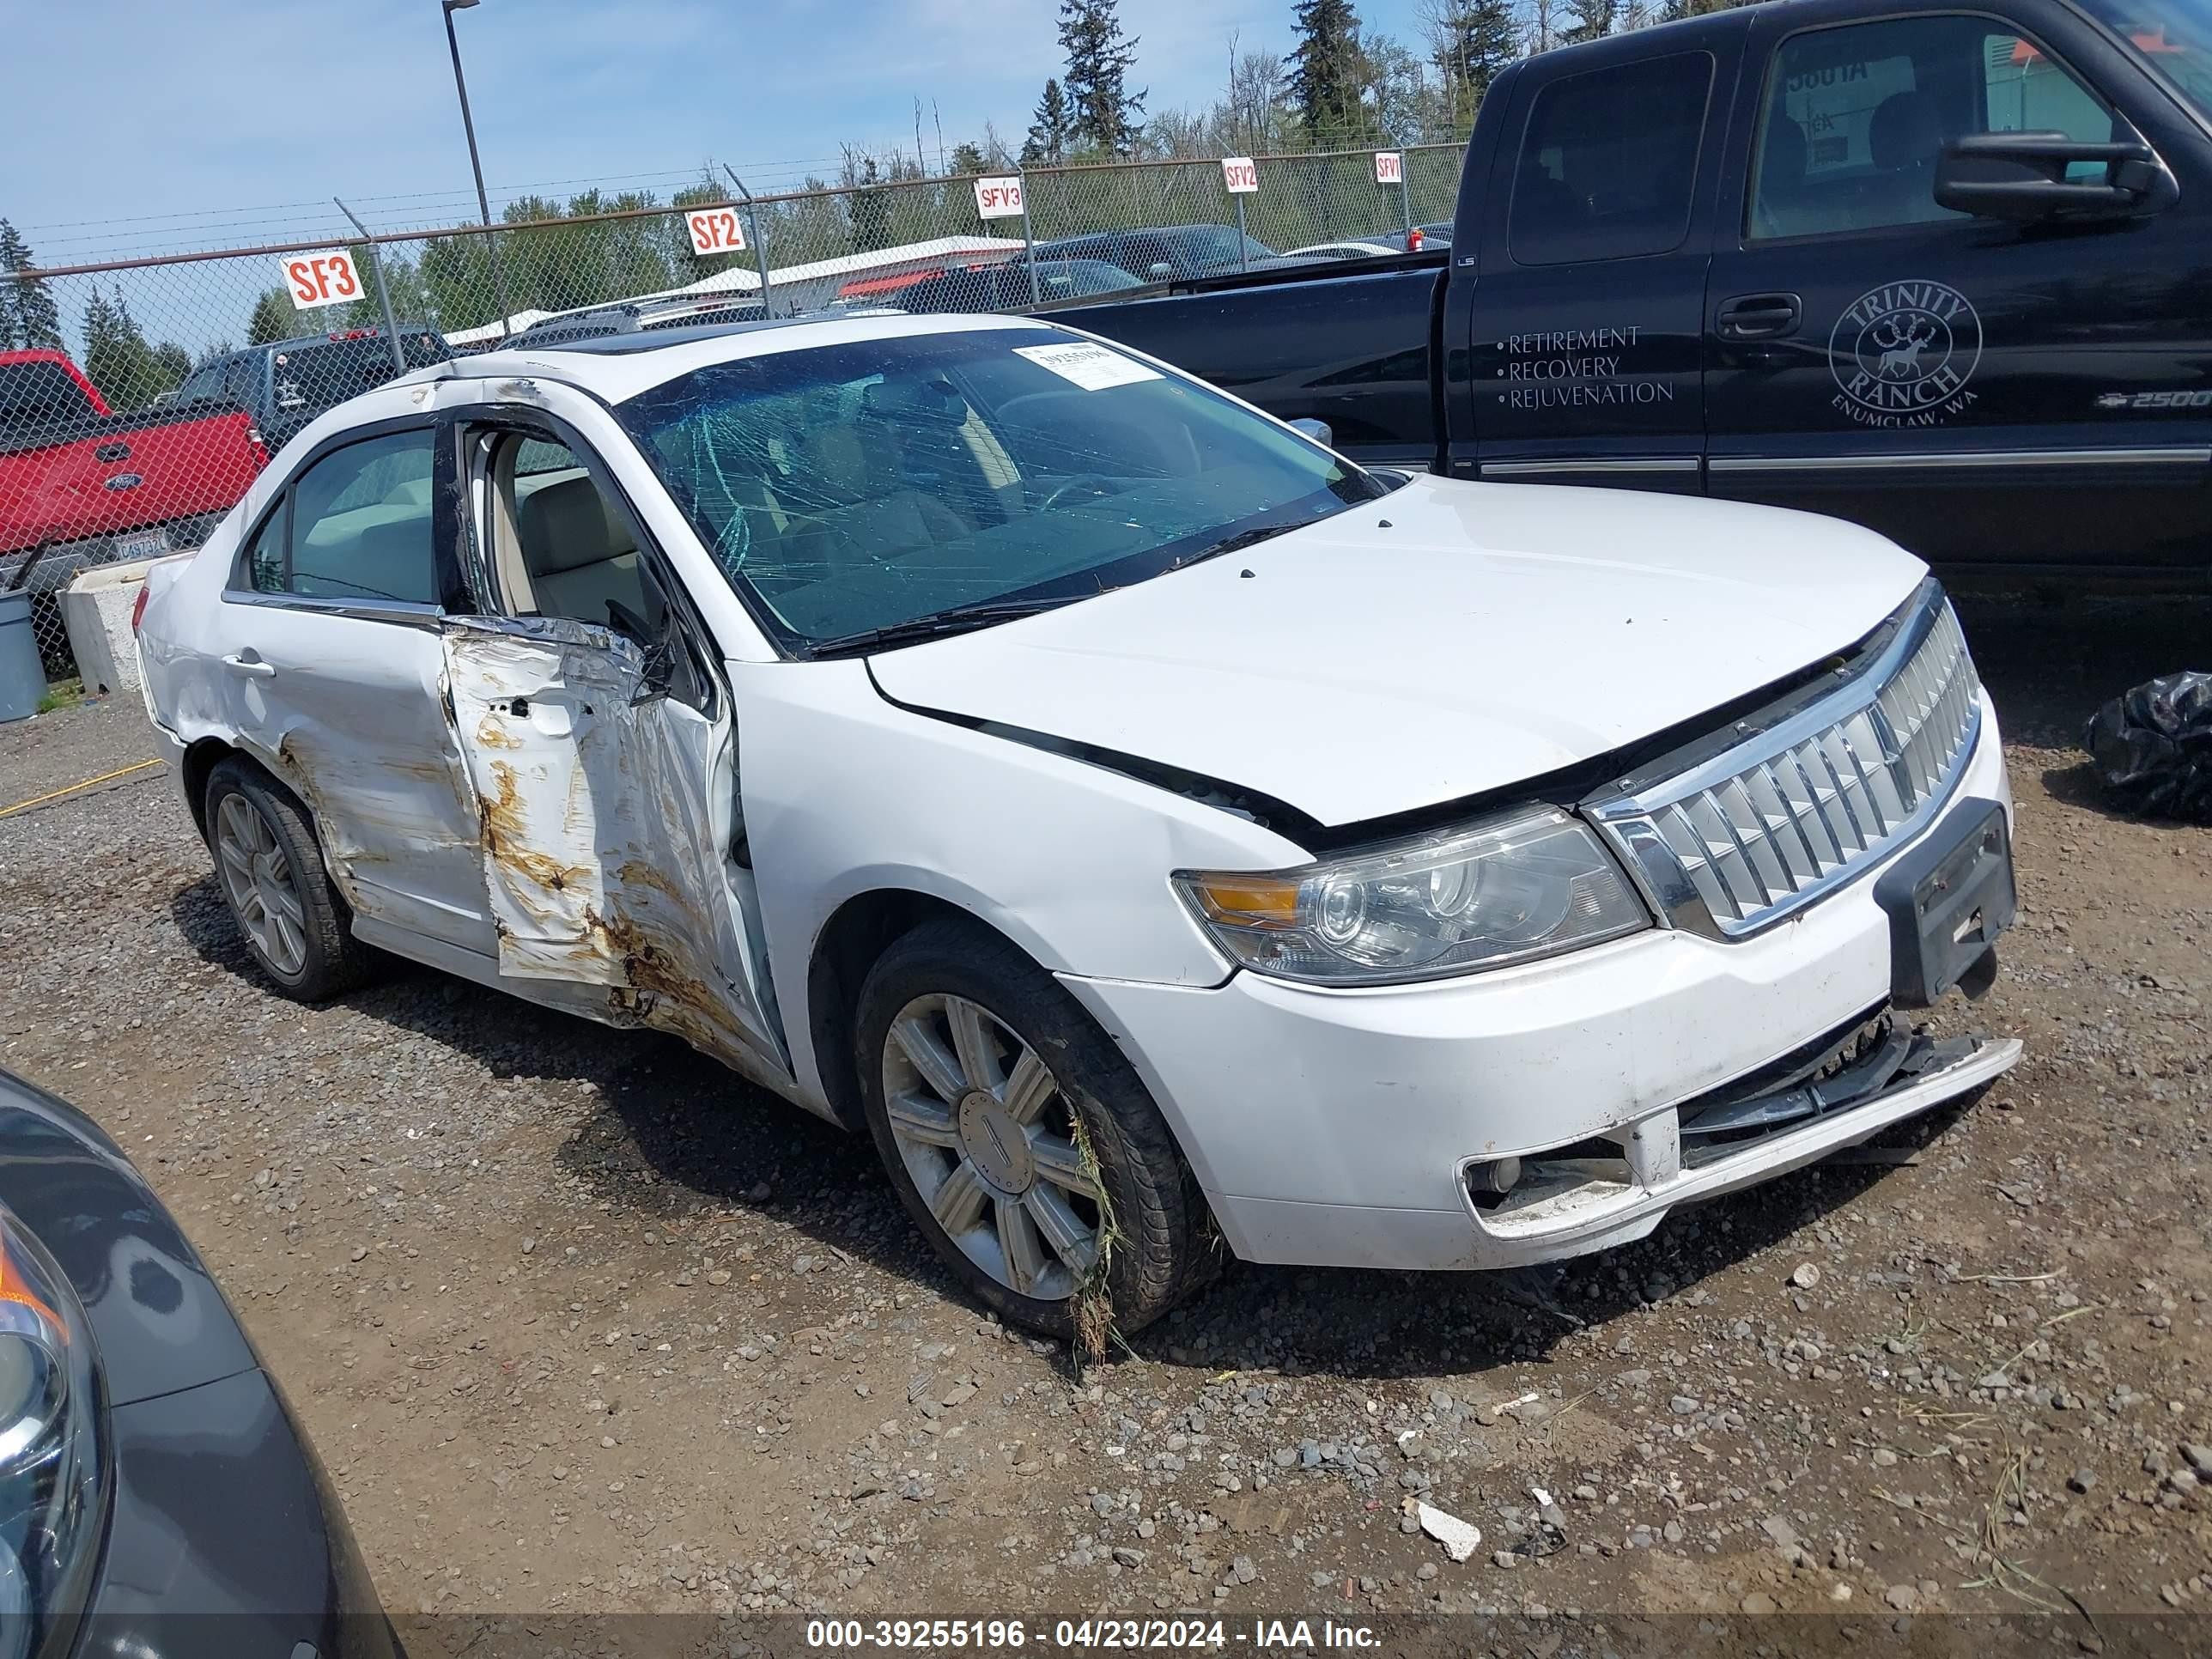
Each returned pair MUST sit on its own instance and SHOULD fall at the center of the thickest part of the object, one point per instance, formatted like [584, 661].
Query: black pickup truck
[1948, 272]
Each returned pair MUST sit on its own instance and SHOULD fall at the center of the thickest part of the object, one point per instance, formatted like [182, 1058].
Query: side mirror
[1320, 431]
[1159, 270]
[2021, 178]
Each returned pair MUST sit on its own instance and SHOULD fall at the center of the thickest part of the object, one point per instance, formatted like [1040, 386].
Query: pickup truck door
[1585, 336]
[1976, 390]
[602, 743]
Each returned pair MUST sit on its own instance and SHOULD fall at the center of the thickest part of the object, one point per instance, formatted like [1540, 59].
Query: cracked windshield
[937, 478]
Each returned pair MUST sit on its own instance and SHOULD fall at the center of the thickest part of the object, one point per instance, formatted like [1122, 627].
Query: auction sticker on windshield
[1093, 367]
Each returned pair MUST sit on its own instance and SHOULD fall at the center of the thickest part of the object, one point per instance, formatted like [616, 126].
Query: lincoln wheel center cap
[994, 1144]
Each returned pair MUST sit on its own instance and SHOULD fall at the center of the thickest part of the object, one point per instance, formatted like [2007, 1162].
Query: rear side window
[360, 525]
[36, 394]
[240, 380]
[1608, 162]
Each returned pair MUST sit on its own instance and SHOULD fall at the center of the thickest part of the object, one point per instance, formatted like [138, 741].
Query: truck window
[240, 380]
[36, 394]
[1856, 118]
[1609, 162]
[2173, 38]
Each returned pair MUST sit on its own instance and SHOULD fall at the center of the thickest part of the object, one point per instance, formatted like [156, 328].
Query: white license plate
[146, 544]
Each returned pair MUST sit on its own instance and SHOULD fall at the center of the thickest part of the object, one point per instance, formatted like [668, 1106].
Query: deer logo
[1902, 354]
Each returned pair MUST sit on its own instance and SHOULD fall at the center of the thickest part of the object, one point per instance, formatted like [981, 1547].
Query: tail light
[138, 609]
[1414, 239]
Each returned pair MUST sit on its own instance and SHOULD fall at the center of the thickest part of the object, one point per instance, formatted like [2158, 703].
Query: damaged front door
[608, 811]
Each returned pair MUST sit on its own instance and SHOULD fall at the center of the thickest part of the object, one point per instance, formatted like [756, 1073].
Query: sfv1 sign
[1240, 175]
[999, 198]
[715, 230]
[313, 280]
[1389, 167]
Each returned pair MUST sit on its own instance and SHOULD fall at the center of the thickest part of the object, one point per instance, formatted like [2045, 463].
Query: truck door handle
[249, 668]
[1759, 316]
[113, 452]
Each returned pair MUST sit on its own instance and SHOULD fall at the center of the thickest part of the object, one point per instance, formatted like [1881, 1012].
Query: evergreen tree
[969, 158]
[1050, 128]
[1326, 67]
[28, 319]
[1476, 40]
[128, 373]
[1590, 20]
[1099, 57]
[272, 318]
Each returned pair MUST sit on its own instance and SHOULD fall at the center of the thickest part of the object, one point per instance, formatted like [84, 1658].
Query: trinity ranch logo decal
[1902, 353]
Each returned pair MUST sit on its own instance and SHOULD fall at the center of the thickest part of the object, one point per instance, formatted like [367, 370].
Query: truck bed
[90, 480]
[1347, 342]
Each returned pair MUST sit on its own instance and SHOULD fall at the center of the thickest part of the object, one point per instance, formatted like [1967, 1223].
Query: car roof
[619, 366]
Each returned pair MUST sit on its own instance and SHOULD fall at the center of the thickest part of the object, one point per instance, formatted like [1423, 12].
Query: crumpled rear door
[605, 826]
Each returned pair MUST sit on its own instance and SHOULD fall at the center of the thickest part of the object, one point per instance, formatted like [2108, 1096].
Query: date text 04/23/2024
[1214, 1635]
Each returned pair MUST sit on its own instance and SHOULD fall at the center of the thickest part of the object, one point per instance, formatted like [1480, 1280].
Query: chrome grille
[1767, 827]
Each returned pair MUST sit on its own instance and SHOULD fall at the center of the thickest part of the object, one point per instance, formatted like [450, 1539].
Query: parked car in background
[637, 316]
[286, 383]
[1146, 820]
[1362, 249]
[157, 1498]
[1161, 253]
[1007, 286]
[1949, 274]
[82, 486]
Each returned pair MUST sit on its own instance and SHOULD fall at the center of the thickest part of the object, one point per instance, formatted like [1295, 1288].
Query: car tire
[308, 949]
[1157, 1246]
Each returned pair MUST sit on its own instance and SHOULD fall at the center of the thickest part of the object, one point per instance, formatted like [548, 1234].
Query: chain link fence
[139, 398]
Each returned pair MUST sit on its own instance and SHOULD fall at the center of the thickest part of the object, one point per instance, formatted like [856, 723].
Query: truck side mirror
[2021, 178]
[1320, 431]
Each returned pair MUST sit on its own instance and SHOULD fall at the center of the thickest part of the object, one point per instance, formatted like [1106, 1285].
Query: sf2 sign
[1238, 173]
[715, 230]
[319, 279]
[1389, 167]
[998, 198]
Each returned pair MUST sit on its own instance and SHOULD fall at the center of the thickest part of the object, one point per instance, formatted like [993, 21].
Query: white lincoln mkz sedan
[1156, 832]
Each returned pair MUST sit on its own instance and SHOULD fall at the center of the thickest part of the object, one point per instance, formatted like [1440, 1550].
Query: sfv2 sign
[998, 198]
[1240, 175]
[312, 280]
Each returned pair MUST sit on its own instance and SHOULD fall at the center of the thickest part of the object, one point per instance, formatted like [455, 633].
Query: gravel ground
[580, 1323]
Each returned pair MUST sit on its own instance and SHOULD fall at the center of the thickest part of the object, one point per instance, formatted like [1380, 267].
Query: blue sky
[229, 122]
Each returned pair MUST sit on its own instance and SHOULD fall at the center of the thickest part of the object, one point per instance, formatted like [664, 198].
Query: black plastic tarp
[2152, 747]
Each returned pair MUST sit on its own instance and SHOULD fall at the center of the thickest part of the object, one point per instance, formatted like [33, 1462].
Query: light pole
[476, 161]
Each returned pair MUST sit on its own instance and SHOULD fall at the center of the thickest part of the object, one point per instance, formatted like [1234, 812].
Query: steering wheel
[1097, 484]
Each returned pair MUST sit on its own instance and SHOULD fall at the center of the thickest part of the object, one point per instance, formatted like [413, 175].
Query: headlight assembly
[1529, 884]
[51, 1446]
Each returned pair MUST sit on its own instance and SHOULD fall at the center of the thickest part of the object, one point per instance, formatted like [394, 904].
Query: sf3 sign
[1389, 167]
[715, 230]
[313, 280]
[1240, 175]
[998, 198]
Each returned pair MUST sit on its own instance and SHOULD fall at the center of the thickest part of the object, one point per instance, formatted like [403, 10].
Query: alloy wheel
[988, 1139]
[257, 874]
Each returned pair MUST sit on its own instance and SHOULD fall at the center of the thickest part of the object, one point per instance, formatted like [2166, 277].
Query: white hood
[1490, 633]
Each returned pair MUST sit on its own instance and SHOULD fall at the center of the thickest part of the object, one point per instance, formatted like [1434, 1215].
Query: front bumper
[1336, 1128]
[224, 1538]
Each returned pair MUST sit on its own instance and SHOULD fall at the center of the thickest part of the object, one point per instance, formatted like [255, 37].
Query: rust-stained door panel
[602, 843]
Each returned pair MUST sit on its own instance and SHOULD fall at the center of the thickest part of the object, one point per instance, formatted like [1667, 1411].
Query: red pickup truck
[80, 485]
